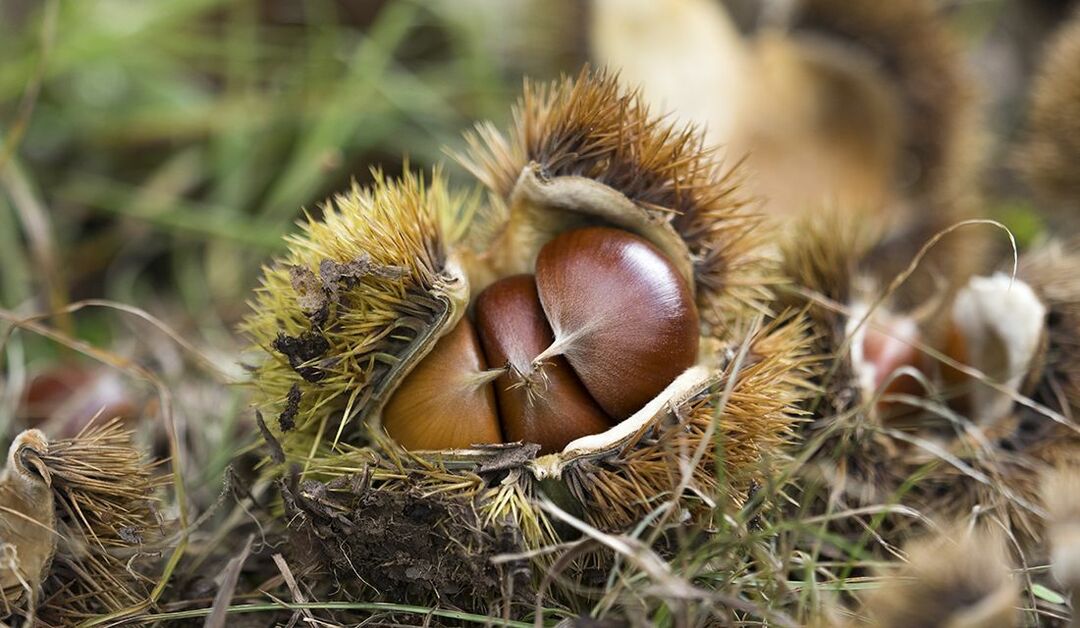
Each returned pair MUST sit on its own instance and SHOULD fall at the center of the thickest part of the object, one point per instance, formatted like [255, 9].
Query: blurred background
[153, 154]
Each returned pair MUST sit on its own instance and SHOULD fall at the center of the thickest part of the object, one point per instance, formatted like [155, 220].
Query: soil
[301, 350]
[371, 543]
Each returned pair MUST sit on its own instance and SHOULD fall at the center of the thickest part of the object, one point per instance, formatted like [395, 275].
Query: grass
[198, 129]
[374, 608]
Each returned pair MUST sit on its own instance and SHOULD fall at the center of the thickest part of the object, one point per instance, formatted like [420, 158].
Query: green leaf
[1046, 594]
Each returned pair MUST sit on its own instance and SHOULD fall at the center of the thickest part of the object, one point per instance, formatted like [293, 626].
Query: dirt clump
[363, 543]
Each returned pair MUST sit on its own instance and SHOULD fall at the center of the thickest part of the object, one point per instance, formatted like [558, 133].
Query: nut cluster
[604, 325]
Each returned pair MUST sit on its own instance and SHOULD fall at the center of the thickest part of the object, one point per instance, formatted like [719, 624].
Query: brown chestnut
[63, 399]
[544, 402]
[447, 401]
[887, 347]
[621, 314]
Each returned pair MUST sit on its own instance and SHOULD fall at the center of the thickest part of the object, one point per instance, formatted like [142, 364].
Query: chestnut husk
[365, 294]
[110, 534]
[949, 463]
[954, 577]
[1050, 154]
[852, 457]
[368, 290]
[362, 296]
[909, 51]
[748, 403]
[1003, 463]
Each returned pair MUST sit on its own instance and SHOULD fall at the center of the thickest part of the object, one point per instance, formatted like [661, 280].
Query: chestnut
[621, 313]
[542, 402]
[885, 352]
[64, 399]
[605, 325]
[447, 401]
[880, 347]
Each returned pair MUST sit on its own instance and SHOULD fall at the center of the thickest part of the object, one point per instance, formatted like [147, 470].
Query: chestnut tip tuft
[540, 402]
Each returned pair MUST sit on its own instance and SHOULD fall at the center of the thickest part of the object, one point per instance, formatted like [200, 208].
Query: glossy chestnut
[605, 325]
[541, 402]
[447, 402]
[620, 312]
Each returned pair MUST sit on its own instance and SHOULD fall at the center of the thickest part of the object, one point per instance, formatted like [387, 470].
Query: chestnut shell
[625, 317]
[545, 403]
[442, 404]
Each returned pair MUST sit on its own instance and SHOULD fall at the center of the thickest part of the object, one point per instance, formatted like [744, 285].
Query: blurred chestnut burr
[825, 257]
[1050, 154]
[1022, 335]
[863, 106]
[959, 578]
[1060, 489]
